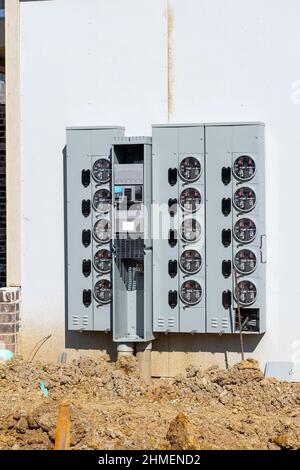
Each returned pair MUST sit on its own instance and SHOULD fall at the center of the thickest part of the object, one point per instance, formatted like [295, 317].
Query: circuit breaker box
[132, 244]
[166, 234]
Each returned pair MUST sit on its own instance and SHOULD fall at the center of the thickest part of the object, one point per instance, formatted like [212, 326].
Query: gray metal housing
[84, 146]
[147, 276]
[223, 144]
[132, 272]
[170, 145]
[216, 146]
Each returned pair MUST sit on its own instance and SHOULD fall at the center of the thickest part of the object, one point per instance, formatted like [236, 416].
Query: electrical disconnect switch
[226, 237]
[86, 267]
[172, 176]
[86, 237]
[172, 204]
[85, 177]
[226, 175]
[172, 268]
[173, 298]
[86, 207]
[226, 268]
[172, 238]
[226, 206]
[87, 297]
[226, 299]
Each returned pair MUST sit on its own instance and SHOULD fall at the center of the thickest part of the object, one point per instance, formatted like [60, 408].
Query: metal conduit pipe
[125, 349]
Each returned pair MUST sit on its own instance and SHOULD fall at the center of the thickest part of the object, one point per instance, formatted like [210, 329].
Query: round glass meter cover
[190, 230]
[247, 292]
[102, 200]
[245, 261]
[102, 231]
[190, 261]
[102, 170]
[190, 200]
[190, 169]
[103, 291]
[244, 199]
[245, 230]
[191, 292]
[244, 168]
[103, 261]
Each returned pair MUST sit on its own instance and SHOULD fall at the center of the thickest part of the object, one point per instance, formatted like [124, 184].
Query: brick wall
[10, 319]
[2, 198]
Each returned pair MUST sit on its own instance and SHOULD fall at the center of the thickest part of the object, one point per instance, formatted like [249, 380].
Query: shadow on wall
[211, 343]
[186, 343]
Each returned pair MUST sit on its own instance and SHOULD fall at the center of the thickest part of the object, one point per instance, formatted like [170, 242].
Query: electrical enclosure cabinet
[166, 234]
[89, 284]
[209, 256]
[179, 229]
[235, 227]
[132, 245]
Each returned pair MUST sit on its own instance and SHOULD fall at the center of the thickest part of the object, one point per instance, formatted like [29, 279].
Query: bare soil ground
[112, 408]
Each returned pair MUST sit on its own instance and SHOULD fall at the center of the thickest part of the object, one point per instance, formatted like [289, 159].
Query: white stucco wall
[97, 62]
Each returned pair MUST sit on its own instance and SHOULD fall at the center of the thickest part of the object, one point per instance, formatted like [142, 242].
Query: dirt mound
[112, 408]
[181, 434]
[84, 375]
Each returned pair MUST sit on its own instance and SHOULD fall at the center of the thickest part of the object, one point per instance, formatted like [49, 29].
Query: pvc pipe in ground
[125, 349]
[143, 355]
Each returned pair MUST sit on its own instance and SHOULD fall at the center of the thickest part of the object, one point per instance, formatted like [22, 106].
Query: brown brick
[9, 294]
[9, 327]
[9, 338]
[8, 308]
[9, 317]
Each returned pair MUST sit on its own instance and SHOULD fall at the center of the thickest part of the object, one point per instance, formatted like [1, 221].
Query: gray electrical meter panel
[179, 259]
[132, 244]
[89, 255]
[235, 227]
[166, 234]
[208, 228]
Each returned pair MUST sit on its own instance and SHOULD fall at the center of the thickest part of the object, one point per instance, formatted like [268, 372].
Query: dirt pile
[243, 387]
[85, 375]
[181, 434]
[112, 408]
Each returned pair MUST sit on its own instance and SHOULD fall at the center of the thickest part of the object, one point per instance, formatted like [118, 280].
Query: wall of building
[105, 62]
[13, 143]
[2, 197]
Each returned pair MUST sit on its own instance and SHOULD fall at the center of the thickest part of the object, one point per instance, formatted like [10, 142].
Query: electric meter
[190, 200]
[103, 261]
[103, 291]
[246, 292]
[190, 261]
[190, 169]
[244, 167]
[191, 292]
[244, 199]
[245, 261]
[102, 170]
[102, 200]
[245, 230]
[190, 230]
[102, 231]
